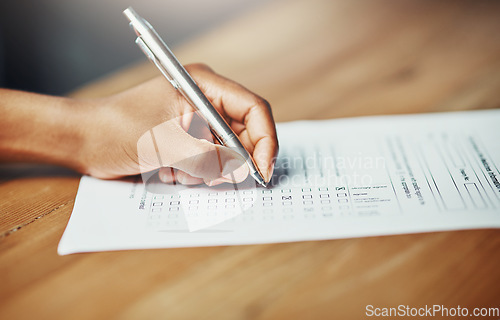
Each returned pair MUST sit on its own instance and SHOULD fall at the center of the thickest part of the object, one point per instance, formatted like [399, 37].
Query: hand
[146, 127]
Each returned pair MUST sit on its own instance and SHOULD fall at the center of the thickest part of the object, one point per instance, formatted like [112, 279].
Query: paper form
[333, 179]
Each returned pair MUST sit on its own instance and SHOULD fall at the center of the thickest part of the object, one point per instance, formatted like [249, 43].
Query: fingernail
[162, 176]
[270, 170]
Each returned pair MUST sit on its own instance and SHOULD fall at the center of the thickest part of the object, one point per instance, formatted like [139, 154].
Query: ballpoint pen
[159, 53]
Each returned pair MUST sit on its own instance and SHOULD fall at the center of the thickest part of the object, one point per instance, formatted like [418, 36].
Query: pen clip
[151, 56]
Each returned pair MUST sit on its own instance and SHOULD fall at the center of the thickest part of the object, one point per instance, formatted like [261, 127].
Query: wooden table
[312, 60]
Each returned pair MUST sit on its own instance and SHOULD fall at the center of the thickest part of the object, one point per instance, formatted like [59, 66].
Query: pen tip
[262, 182]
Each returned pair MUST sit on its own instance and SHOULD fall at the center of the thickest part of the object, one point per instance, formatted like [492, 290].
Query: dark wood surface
[312, 60]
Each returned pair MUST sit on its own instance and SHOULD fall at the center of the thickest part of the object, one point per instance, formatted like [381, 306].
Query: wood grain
[312, 59]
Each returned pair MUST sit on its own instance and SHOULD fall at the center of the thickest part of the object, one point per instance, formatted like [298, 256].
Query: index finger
[239, 104]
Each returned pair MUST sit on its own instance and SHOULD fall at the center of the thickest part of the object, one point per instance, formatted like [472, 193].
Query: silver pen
[159, 53]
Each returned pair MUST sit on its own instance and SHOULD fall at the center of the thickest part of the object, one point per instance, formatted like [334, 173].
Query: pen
[158, 52]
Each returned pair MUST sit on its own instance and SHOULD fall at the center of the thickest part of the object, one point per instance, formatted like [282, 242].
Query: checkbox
[247, 199]
[267, 204]
[324, 195]
[267, 191]
[267, 198]
[230, 200]
[157, 204]
[325, 201]
[287, 203]
[308, 202]
[342, 200]
[173, 209]
[307, 196]
[212, 200]
[323, 189]
[286, 190]
[306, 189]
[342, 194]
[247, 191]
[175, 203]
[194, 195]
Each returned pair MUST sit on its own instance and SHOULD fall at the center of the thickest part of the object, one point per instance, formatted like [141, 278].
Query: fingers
[171, 175]
[197, 160]
[253, 120]
[167, 175]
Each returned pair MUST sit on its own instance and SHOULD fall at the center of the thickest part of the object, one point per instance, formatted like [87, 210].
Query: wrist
[67, 144]
[42, 129]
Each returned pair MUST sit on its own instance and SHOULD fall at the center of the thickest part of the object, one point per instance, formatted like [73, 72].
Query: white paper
[334, 179]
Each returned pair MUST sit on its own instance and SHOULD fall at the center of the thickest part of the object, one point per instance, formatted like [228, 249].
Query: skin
[111, 137]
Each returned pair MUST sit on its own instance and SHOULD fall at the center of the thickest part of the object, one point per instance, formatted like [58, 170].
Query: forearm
[39, 128]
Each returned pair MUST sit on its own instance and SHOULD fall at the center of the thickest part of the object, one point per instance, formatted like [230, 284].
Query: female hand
[146, 128]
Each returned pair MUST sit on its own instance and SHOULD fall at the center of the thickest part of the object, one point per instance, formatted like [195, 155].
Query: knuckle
[264, 104]
[199, 67]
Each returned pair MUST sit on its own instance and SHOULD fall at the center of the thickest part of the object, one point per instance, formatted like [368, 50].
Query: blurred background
[55, 46]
